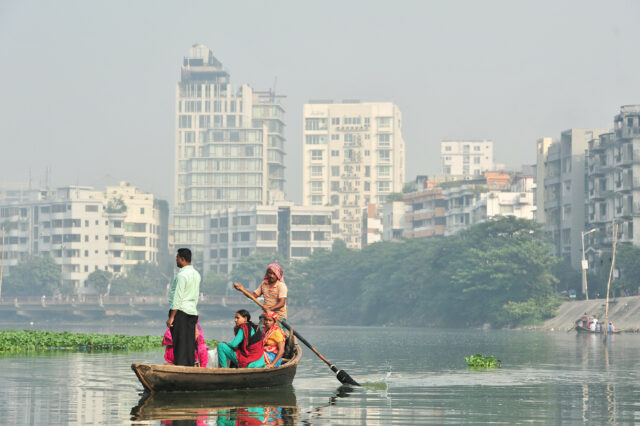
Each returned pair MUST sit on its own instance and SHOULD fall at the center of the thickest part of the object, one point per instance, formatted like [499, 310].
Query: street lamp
[585, 266]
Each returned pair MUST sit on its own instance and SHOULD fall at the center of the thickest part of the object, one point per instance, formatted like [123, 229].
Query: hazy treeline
[499, 272]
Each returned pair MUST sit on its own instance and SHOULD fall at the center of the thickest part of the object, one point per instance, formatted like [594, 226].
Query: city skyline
[102, 109]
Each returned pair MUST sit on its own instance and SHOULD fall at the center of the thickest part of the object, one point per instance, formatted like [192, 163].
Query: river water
[410, 376]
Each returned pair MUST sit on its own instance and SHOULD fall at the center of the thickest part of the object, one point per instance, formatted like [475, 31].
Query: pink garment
[202, 354]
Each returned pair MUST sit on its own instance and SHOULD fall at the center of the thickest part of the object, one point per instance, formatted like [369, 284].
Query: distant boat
[168, 377]
[581, 329]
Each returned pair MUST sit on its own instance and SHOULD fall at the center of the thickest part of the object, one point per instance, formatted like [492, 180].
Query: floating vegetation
[12, 341]
[375, 385]
[482, 361]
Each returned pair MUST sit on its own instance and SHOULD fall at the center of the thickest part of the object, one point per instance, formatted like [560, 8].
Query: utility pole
[613, 262]
[585, 267]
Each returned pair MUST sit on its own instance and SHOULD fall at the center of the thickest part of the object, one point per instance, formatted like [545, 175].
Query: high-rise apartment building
[466, 157]
[564, 192]
[353, 155]
[229, 150]
[613, 182]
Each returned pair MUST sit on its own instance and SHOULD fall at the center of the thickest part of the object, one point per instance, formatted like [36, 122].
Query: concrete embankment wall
[624, 312]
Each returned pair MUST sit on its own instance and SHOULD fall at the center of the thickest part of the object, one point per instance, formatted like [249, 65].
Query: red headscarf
[276, 269]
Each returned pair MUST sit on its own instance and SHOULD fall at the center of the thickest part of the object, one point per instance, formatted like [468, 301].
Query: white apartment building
[145, 222]
[466, 157]
[613, 183]
[496, 194]
[564, 191]
[394, 224]
[353, 155]
[82, 229]
[293, 231]
[229, 150]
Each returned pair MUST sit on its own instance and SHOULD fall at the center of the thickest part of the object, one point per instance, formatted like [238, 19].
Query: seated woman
[202, 354]
[245, 350]
[273, 340]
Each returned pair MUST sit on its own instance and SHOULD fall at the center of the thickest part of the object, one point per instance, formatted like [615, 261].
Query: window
[316, 186]
[316, 200]
[384, 171]
[384, 139]
[316, 139]
[367, 186]
[335, 171]
[316, 155]
[447, 148]
[352, 121]
[316, 171]
[266, 235]
[301, 236]
[90, 208]
[184, 121]
[264, 219]
[315, 124]
[335, 153]
[335, 121]
[335, 137]
[300, 251]
[203, 121]
[476, 160]
[231, 121]
[367, 153]
[384, 186]
[384, 155]
[383, 121]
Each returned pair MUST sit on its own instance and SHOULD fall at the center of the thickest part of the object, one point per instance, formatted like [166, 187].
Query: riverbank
[624, 312]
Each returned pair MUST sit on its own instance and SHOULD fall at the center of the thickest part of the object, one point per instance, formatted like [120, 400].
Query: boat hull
[581, 329]
[168, 378]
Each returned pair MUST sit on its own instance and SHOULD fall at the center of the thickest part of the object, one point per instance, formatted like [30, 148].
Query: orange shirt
[271, 294]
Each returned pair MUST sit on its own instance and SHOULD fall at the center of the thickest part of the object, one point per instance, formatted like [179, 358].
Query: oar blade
[346, 379]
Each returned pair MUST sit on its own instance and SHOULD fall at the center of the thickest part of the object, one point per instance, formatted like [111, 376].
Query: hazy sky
[88, 88]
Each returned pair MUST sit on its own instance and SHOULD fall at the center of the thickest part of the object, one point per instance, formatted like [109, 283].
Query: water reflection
[270, 406]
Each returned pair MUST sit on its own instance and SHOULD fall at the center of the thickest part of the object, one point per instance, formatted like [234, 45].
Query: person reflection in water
[246, 348]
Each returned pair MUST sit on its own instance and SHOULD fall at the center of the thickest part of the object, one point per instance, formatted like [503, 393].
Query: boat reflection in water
[268, 406]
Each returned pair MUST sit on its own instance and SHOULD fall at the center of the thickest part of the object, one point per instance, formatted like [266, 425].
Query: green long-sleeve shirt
[239, 336]
[185, 290]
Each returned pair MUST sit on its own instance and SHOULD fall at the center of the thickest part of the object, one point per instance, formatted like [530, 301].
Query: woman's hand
[268, 365]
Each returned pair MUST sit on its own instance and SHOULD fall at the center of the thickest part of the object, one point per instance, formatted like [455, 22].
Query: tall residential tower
[353, 155]
[229, 150]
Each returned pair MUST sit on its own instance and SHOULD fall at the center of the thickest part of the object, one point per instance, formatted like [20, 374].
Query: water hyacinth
[482, 361]
[12, 341]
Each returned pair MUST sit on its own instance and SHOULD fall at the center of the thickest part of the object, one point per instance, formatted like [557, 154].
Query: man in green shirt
[183, 313]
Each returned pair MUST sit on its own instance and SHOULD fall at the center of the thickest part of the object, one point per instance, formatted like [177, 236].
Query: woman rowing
[273, 290]
[273, 340]
[246, 348]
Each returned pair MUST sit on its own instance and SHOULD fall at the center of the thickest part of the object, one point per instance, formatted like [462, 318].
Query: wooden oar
[340, 374]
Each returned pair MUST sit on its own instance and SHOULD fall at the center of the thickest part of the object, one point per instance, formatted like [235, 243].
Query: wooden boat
[581, 329]
[167, 377]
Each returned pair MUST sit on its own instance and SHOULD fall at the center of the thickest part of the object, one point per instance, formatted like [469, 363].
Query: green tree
[99, 280]
[35, 276]
[250, 271]
[142, 279]
[214, 283]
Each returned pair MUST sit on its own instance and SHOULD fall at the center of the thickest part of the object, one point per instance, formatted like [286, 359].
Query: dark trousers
[183, 334]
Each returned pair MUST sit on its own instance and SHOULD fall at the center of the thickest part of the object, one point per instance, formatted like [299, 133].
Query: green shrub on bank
[36, 340]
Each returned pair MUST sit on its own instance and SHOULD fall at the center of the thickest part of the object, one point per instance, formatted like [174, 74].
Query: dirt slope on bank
[624, 312]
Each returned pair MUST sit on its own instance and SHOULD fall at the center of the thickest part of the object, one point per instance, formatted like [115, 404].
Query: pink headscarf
[276, 269]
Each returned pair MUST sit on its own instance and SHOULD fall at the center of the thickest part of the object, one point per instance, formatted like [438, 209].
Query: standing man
[273, 290]
[183, 313]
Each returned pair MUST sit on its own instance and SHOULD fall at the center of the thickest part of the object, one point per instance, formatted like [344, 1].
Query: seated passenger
[245, 350]
[202, 355]
[273, 340]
